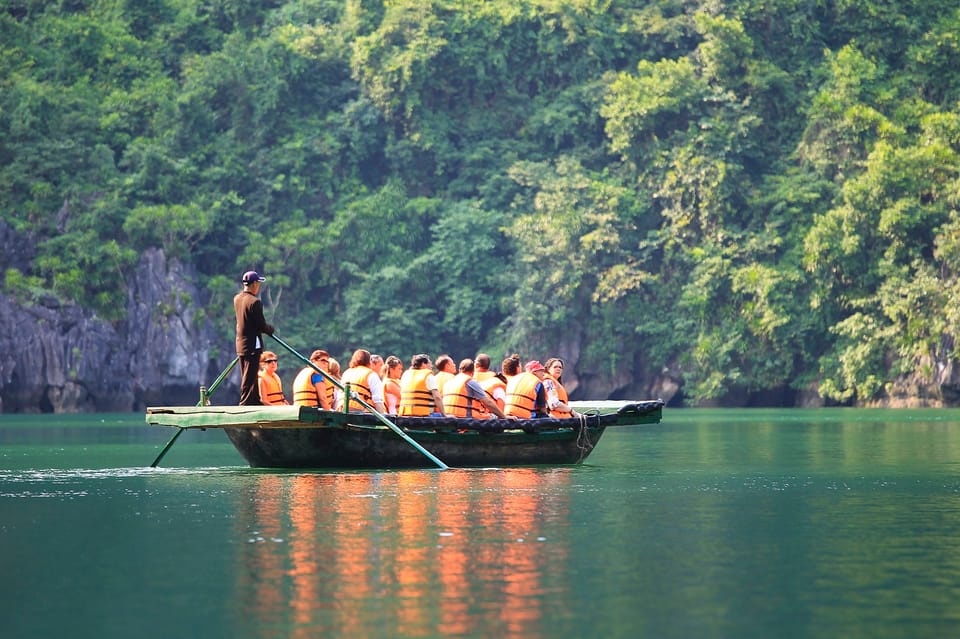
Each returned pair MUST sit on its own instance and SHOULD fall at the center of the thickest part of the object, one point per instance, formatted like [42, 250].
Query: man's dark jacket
[250, 323]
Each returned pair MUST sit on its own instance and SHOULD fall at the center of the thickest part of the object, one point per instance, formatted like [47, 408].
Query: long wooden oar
[204, 394]
[383, 418]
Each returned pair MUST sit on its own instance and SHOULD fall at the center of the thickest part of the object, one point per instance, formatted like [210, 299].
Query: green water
[833, 523]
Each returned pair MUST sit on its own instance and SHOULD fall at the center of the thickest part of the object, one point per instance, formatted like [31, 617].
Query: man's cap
[533, 366]
[252, 276]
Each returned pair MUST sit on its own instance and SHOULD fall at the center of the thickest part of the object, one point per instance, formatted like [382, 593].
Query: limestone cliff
[59, 357]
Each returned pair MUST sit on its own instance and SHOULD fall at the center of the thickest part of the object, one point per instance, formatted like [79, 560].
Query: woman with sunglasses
[271, 388]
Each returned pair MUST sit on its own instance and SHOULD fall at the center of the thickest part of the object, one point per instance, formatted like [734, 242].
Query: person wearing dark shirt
[250, 327]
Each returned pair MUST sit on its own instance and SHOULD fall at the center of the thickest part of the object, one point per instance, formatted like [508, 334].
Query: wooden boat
[307, 437]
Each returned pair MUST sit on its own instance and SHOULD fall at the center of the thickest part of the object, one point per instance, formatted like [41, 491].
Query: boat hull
[307, 437]
[358, 447]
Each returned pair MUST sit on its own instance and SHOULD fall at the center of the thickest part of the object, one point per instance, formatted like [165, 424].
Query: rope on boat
[583, 439]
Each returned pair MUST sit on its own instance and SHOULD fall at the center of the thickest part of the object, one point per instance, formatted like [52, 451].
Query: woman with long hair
[390, 373]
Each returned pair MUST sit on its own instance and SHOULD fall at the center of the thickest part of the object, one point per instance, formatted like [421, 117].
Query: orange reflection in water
[412, 511]
[305, 554]
[353, 560]
[268, 517]
[418, 553]
[456, 514]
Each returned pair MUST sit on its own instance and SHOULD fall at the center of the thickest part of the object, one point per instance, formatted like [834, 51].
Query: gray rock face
[58, 357]
[168, 349]
[16, 251]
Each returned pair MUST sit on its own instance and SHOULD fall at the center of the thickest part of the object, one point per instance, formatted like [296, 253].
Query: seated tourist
[390, 374]
[526, 393]
[446, 369]
[481, 367]
[419, 393]
[271, 388]
[557, 400]
[496, 387]
[365, 383]
[309, 387]
[463, 396]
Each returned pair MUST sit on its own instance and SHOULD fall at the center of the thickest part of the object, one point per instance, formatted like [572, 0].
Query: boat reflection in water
[416, 553]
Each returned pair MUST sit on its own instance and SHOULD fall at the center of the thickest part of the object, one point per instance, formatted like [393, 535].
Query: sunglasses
[269, 361]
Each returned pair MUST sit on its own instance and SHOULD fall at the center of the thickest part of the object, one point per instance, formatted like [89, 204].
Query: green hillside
[744, 196]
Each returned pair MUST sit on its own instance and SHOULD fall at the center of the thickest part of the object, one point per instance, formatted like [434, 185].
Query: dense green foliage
[750, 195]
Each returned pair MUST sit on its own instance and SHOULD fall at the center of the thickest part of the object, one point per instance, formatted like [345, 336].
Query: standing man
[250, 325]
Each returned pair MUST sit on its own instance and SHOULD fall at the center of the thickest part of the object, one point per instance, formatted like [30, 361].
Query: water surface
[830, 523]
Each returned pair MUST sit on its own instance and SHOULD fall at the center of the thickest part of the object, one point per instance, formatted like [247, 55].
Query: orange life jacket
[415, 398]
[273, 386]
[330, 390]
[442, 378]
[357, 378]
[490, 385]
[562, 394]
[304, 392]
[522, 396]
[481, 376]
[457, 402]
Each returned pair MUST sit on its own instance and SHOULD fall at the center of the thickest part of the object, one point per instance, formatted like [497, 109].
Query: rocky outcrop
[939, 387]
[58, 357]
[618, 377]
[16, 250]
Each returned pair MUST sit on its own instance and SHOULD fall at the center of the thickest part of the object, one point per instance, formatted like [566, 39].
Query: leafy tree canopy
[745, 196]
